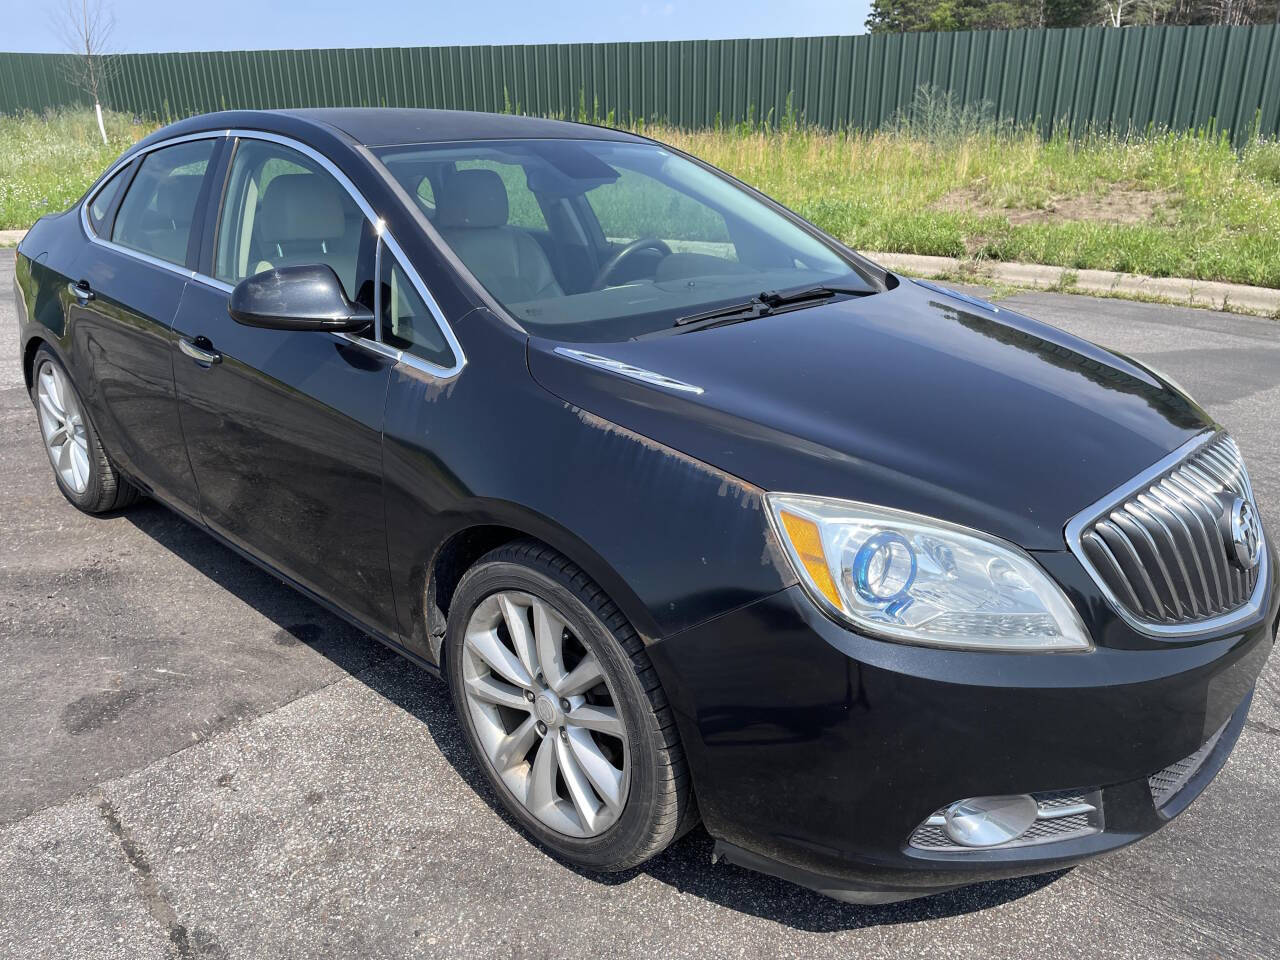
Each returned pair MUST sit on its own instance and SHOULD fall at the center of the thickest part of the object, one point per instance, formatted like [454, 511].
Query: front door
[284, 428]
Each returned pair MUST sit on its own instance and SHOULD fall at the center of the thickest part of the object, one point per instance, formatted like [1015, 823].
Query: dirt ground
[1123, 205]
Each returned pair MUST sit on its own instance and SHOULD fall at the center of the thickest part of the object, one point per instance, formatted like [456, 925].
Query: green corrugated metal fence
[1096, 78]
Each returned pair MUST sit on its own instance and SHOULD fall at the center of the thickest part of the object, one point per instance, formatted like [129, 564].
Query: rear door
[128, 284]
[284, 428]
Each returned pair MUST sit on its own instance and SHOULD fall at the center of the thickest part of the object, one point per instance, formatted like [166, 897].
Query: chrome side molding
[628, 370]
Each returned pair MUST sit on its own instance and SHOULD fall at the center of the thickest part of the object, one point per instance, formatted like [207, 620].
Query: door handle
[80, 290]
[200, 350]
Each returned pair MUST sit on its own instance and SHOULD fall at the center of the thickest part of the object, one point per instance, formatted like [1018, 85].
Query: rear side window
[105, 199]
[407, 322]
[156, 214]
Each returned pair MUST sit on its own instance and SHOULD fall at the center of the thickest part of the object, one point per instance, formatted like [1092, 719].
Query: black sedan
[701, 514]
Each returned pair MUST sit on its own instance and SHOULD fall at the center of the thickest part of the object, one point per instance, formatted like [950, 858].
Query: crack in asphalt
[1265, 728]
[184, 941]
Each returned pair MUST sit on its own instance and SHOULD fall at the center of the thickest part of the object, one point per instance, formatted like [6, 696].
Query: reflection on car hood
[913, 398]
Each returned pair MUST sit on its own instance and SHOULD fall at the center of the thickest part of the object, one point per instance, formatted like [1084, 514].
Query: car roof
[384, 126]
[387, 126]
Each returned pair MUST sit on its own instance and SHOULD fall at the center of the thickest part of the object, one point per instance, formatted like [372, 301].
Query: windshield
[586, 240]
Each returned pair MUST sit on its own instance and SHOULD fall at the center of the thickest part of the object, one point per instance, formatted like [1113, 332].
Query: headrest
[300, 206]
[472, 198]
[176, 197]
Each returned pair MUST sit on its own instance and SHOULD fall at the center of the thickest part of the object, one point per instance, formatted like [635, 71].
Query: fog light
[988, 821]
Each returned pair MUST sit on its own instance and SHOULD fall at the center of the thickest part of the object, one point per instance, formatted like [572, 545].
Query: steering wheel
[611, 265]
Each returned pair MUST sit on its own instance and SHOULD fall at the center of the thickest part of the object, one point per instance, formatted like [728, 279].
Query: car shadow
[686, 865]
[299, 619]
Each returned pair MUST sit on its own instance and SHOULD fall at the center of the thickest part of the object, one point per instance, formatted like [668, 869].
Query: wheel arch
[29, 358]
[469, 536]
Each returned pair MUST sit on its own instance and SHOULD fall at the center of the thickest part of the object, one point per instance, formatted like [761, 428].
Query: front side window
[407, 321]
[282, 209]
[586, 240]
[156, 214]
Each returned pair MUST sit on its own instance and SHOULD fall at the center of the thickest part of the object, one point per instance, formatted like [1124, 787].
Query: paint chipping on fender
[746, 495]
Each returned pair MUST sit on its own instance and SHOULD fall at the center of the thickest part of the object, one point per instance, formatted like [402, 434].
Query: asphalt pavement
[196, 761]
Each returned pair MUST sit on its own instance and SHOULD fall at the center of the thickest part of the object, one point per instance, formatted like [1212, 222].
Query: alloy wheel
[545, 715]
[62, 425]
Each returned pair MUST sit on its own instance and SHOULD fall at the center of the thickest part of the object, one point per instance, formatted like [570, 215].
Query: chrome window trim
[379, 225]
[378, 347]
[1182, 631]
[211, 282]
[377, 282]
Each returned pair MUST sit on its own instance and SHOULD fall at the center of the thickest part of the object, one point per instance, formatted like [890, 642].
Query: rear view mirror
[306, 297]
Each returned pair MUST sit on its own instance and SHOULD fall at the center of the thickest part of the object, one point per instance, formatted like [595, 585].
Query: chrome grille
[1161, 547]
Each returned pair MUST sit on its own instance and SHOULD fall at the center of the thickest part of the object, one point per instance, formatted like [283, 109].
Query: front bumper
[816, 752]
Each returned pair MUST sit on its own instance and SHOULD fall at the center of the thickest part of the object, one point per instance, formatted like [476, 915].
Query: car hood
[917, 398]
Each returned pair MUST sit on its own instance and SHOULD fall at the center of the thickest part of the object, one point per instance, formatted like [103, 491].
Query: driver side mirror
[306, 297]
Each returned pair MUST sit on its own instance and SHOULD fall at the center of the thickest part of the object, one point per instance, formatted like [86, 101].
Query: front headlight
[911, 578]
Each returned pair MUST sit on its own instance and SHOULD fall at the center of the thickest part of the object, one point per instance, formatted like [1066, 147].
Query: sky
[148, 25]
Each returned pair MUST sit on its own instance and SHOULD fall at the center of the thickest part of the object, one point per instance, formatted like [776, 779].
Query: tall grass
[928, 184]
[1215, 211]
[47, 160]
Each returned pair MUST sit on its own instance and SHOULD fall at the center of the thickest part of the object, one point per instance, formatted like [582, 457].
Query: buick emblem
[1246, 533]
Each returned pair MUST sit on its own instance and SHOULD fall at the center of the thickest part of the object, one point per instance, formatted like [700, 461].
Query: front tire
[563, 710]
[80, 466]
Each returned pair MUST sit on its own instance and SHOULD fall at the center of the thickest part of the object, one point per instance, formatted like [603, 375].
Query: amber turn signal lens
[807, 541]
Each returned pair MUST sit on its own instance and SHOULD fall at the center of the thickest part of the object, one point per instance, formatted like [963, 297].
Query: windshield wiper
[735, 313]
[766, 303]
[779, 298]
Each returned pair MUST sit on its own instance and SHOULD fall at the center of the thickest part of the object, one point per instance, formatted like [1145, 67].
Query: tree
[1233, 11]
[1070, 13]
[86, 28]
[1115, 12]
[899, 16]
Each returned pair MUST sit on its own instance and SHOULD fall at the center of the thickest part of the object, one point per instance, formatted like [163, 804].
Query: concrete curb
[11, 238]
[1237, 297]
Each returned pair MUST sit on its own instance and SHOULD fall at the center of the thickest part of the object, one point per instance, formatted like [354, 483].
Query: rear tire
[526, 582]
[81, 468]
